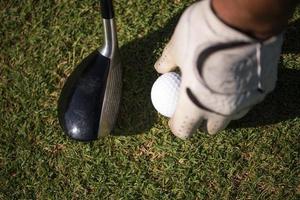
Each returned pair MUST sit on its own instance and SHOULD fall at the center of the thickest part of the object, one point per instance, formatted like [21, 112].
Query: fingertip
[217, 124]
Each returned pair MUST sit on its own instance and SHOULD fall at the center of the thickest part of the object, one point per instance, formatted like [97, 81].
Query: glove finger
[186, 118]
[217, 123]
[166, 62]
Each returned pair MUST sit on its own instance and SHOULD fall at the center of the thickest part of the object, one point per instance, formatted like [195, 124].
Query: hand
[224, 72]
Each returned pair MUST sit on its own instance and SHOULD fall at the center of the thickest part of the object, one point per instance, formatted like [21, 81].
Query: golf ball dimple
[165, 92]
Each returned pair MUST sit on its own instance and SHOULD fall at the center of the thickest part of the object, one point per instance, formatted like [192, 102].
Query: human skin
[260, 19]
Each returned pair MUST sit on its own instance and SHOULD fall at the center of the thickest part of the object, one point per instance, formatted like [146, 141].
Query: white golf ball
[165, 92]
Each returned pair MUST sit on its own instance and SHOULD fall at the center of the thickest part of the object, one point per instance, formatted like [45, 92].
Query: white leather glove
[224, 72]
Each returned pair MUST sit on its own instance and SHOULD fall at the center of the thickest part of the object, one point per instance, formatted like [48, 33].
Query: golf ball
[165, 92]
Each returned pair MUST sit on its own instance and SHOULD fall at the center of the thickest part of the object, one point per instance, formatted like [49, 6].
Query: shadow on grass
[282, 104]
[137, 114]
[292, 42]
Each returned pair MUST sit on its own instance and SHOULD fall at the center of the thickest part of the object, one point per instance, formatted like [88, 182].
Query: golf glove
[224, 72]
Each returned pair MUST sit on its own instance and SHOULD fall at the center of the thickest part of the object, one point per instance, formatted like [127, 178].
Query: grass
[41, 43]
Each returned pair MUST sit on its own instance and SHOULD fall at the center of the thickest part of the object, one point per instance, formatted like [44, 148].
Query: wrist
[250, 18]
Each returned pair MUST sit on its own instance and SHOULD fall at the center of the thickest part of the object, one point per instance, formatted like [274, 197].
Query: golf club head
[89, 101]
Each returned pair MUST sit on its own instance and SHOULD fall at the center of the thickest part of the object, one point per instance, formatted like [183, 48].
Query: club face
[82, 98]
[112, 97]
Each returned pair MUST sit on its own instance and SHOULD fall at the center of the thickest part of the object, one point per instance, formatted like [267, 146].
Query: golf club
[89, 102]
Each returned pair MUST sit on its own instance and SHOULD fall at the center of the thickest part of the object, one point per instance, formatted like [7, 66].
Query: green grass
[41, 43]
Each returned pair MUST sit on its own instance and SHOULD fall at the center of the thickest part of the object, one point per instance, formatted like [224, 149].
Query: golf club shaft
[107, 10]
[110, 36]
